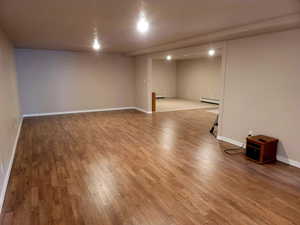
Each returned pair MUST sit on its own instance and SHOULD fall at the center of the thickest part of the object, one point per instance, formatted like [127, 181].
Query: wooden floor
[176, 104]
[126, 167]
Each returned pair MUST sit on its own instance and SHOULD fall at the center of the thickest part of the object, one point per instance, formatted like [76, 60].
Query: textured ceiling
[69, 24]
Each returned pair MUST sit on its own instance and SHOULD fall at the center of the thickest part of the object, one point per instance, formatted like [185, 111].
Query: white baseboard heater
[210, 100]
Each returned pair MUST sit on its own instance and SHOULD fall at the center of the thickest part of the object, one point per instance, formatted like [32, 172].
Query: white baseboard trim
[288, 161]
[142, 110]
[84, 111]
[231, 141]
[279, 158]
[7, 175]
[77, 111]
[209, 100]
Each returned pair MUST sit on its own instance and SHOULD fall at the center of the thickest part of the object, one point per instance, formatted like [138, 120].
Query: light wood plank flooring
[175, 104]
[130, 168]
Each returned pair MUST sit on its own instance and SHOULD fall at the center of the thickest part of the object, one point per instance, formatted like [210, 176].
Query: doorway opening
[186, 81]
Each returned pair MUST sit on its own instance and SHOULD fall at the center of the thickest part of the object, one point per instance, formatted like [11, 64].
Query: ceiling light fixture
[96, 45]
[142, 24]
[211, 52]
[169, 57]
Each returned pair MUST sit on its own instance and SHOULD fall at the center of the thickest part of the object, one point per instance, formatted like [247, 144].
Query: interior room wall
[60, 81]
[197, 78]
[9, 110]
[143, 83]
[164, 78]
[262, 90]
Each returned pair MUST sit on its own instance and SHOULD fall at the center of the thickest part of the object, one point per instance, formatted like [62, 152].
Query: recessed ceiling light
[169, 57]
[96, 45]
[211, 52]
[142, 24]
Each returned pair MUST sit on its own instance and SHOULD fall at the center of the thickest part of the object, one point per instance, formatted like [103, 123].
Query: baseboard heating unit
[210, 100]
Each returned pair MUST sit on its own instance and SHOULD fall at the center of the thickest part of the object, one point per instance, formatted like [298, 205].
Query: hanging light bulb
[96, 45]
[211, 52]
[142, 24]
[169, 57]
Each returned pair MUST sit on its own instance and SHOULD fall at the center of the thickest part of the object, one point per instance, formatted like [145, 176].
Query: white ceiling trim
[276, 24]
[200, 50]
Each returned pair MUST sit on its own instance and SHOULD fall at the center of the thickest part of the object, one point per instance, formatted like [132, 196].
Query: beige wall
[58, 81]
[164, 78]
[198, 78]
[143, 82]
[262, 89]
[9, 108]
